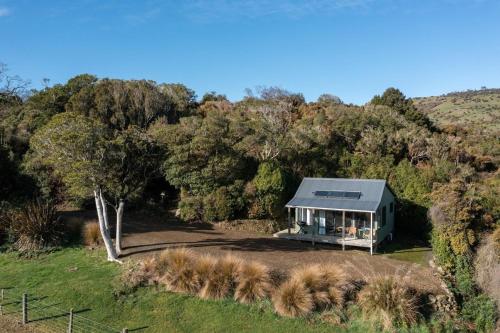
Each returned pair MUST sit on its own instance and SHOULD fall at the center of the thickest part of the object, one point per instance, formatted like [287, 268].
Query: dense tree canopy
[397, 101]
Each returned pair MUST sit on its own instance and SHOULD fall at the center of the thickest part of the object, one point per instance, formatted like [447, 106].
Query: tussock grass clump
[220, 280]
[323, 282]
[335, 280]
[92, 234]
[293, 299]
[390, 301]
[162, 262]
[253, 282]
[205, 266]
[180, 274]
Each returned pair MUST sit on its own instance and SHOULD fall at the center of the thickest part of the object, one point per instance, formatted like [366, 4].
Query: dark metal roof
[369, 200]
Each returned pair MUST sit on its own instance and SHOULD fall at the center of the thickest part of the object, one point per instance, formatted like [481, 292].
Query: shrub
[191, 208]
[92, 234]
[129, 280]
[224, 203]
[270, 186]
[148, 269]
[253, 282]
[180, 274]
[293, 299]
[35, 226]
[389, 301]
[135, 275]
[256, 226]
[4, 222]
[209, 208]
[464, 276]
[481, 311]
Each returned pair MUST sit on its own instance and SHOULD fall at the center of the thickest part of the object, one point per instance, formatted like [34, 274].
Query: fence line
[35, 312]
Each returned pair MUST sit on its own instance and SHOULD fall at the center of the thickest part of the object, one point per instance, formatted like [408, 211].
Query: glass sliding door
[322, 223]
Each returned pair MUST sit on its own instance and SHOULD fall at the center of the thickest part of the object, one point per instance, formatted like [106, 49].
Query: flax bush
[35, 226]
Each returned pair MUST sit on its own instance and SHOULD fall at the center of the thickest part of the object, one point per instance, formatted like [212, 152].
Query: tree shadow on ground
[260, 244]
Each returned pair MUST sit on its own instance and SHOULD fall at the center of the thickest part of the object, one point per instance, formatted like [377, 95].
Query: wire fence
[46, 316]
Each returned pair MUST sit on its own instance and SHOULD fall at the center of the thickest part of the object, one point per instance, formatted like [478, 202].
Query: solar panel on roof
[338, 194]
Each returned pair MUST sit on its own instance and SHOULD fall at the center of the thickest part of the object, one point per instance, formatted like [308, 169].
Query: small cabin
[347, 212]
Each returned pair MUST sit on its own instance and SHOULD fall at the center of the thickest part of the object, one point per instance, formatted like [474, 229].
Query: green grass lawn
[413, 252]
[81, 279]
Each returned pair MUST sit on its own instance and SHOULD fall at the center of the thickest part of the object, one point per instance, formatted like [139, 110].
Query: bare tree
[12, 85]
[272, 130]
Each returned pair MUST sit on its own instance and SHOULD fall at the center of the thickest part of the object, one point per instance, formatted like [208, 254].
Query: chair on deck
[366, 234]
[351, 231]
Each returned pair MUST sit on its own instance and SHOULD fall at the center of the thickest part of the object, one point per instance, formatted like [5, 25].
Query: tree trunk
[119, 219]
[104, 211]
[112, 256]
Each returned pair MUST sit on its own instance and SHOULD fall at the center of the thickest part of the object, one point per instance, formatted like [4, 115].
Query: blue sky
[350, 48]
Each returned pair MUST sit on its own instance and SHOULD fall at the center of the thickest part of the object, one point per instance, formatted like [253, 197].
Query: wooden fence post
[1, 302]
[70, 322]
[25, 309]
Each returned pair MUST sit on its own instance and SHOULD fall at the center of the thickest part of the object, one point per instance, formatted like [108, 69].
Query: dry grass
[253, 282]
[149, 270]
[219, 278]
[180, 273]
[162, 262]
[92, 234]
[205, 266]
[323, 282]
[293, 299]
[137, 274]
[389, 301]
[487, 265]
[496, 241]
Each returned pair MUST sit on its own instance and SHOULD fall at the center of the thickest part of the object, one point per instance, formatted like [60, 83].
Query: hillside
[472, 109]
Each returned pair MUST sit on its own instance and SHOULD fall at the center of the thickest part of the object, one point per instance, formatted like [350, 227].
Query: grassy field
[81, 279]
[471, 109]
[407, 250]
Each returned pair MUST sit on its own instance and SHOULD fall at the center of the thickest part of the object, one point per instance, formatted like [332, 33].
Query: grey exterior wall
[387, 199]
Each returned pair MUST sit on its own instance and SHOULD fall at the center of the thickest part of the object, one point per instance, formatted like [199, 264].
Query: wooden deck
[330, 239]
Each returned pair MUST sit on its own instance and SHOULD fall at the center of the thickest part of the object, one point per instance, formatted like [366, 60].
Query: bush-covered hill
[472, 109]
